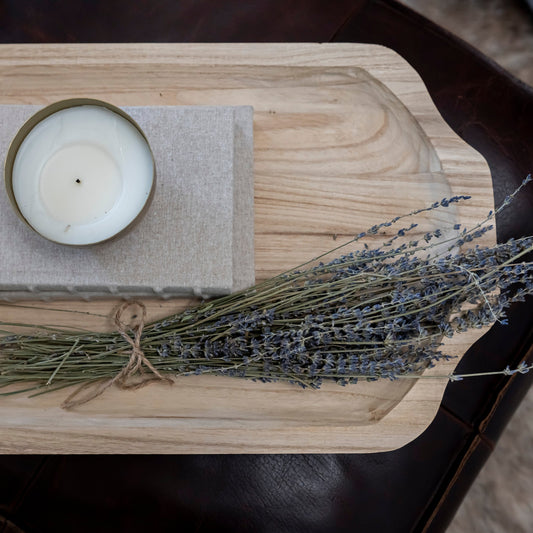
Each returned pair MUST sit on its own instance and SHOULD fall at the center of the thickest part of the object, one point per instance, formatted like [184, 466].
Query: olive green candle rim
[41, 115]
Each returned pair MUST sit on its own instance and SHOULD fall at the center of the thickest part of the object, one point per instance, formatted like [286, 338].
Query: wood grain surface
[345, 136]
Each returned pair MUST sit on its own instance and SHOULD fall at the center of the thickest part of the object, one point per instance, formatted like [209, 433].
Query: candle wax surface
[82, 175]
[80, 184]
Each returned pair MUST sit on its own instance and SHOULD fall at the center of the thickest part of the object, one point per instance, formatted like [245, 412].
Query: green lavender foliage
[368, 314]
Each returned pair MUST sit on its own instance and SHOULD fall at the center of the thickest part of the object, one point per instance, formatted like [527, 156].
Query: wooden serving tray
[346, 136]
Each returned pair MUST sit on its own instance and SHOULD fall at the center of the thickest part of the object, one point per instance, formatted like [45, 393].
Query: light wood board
[346, 136]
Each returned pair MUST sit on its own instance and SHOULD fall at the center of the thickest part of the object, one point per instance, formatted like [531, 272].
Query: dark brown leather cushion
[416, 488]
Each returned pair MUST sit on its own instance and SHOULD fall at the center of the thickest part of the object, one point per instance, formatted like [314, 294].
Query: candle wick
[78, 180]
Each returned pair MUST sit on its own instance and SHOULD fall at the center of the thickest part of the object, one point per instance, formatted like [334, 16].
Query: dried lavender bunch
[372, 313]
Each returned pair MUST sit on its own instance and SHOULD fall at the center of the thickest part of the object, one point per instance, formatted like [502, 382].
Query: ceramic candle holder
[80, 172]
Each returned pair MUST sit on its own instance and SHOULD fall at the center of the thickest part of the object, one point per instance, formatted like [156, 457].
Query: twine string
[134, 366]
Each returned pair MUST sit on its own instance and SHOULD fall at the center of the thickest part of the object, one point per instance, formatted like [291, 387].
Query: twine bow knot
[133, 367]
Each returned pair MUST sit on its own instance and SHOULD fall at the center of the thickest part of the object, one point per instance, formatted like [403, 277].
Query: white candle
[82, 175]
